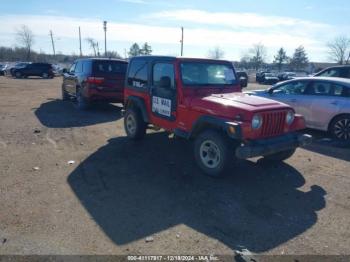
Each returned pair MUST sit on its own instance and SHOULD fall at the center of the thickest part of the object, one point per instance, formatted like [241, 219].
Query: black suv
[33, 69]
[95, 79]
[335, 71]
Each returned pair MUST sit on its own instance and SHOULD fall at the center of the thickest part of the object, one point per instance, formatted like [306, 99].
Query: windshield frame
[229, 65]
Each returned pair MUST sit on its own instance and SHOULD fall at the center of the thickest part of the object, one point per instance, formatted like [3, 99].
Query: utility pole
[105, 29]
[98, 50]
[81, 53]
[182, 41]
[53, 44]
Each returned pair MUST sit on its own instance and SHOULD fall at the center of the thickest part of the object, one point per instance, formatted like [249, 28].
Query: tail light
[95, 80]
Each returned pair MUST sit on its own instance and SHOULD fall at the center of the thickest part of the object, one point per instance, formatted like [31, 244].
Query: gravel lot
[122, 197]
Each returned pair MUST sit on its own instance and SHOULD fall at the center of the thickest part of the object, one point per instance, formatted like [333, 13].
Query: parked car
[335, 71]
[269, 79]
[259, 76]
[286, 76]
[323, 101]
[200, 100]
[243, 78]
[33, 69]
[2, 70]
[89, 80]
[10, 68]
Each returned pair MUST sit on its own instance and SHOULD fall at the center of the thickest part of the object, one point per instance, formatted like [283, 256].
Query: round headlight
[257, 121]
[290, 117]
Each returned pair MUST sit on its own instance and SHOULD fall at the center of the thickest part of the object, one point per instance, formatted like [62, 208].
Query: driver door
[163, 94]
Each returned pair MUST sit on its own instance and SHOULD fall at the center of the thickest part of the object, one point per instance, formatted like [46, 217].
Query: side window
[85, 67]
[347, 72]
[340, 91]
[319, 89]
[72, 68]
[79, 67]
[162, 71]
[138, 74]
[293, 88]
[335, 72]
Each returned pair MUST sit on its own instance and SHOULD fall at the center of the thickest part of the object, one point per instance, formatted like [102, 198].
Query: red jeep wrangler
[200, 100]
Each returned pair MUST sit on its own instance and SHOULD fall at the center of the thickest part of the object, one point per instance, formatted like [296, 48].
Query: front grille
[273, 123]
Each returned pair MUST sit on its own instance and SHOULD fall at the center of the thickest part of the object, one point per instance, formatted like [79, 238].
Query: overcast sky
[234, 26]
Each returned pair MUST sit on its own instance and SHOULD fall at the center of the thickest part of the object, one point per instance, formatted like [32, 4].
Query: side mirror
[243, 82]
[64, 71]
[270, 91]
[165, 82]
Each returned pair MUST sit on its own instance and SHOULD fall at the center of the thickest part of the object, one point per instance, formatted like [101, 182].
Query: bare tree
[26, 39]
[216, 53]
[339, 49]
[258, 55]
[93, 45]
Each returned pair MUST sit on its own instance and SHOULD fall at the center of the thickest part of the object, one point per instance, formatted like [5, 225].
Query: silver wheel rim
[45, 75]
[210, 154]
[131, 124]
[342, 129]
[18, 74]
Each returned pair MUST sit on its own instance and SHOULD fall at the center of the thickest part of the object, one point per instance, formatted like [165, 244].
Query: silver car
[323, 101]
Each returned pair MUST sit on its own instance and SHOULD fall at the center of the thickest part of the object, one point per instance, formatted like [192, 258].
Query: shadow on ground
[136, 189]
[63, 114]
[324, 144]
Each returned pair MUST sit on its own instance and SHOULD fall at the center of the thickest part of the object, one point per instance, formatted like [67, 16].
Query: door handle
[334, 103]
[292, 100]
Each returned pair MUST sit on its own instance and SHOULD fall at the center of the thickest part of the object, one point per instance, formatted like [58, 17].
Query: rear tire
[211, 153]
[81, 101]
[18, 74]
[134, 125]
[65, 95]
[340, 128]
[281, 156]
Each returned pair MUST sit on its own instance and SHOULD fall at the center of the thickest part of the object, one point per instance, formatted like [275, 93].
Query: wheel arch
[335, 117]
[139, 103]
[215, 123]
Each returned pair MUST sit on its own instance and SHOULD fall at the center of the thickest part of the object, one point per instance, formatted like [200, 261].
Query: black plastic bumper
[274, 145]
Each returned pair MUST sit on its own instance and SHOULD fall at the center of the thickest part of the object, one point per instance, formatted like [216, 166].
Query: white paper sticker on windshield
[229, 75]
[161, 106]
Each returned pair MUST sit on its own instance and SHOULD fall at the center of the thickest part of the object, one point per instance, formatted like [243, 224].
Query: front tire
[211, 153]
[281, 156]
[45, 75]
[340, 128]
[134, 125]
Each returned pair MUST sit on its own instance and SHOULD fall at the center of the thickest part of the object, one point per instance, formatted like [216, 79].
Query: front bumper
[271, 146]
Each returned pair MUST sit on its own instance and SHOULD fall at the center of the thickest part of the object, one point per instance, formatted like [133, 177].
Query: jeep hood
[227, 104]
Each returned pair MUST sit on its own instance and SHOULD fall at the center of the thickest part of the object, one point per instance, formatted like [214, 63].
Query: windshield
[204, 74]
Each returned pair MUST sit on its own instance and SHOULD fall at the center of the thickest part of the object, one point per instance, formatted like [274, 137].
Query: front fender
[231, 128]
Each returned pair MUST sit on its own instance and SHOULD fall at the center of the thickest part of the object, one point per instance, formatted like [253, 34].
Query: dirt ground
[148, 197]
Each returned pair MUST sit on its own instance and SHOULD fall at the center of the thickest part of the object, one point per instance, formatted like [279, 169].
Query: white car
[323, 101]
